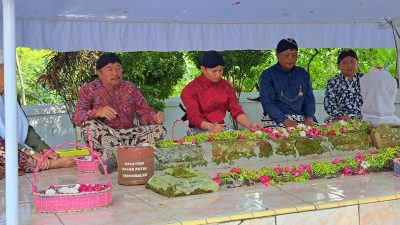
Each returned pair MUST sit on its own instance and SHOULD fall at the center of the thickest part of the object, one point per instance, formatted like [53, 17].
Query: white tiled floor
[138, 205]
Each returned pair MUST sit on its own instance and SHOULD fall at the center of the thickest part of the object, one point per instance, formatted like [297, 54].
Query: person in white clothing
[378, 90]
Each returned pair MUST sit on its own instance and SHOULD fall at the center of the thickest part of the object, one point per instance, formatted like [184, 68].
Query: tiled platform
[369, 199]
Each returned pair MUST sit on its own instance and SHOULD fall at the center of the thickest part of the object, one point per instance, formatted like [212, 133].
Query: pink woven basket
[85, 165]
[186, 126]
[74, 201]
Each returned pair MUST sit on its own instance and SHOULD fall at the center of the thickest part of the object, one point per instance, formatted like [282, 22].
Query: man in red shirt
[109, 105]
[208, 97]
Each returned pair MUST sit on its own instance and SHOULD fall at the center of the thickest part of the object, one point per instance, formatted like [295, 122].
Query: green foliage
[66, 72]
[268, 172]
[346, 167]
[241, 66]
[160, 75]
[154, 73]
[191, 73]
[383, 159]
[322, 65]
[182, 172]
[30, 63]
[248, 175]
[299, 133]
[324, 169]
[354, 125]
[351, 163]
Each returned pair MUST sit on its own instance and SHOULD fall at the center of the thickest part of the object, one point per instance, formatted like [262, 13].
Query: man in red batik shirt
[208, 97]
[109, 105]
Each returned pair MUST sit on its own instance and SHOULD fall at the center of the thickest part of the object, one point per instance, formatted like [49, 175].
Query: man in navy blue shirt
[285, 90]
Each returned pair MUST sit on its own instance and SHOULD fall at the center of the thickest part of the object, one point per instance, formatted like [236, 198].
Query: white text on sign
[134, 163]
[134, 168]
[135, 175]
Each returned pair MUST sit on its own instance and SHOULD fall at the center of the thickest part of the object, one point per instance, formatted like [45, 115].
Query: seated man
[285, 90]
[26, 136]
[108, 107]
[378, 90]
[342, 96]
[208, 97]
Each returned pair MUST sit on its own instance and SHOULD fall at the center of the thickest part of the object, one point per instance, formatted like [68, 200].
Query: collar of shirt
[356, 77]
[206, 82]
[100, 84]
[278, 67]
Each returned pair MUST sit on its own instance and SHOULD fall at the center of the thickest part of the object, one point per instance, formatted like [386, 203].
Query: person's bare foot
[62, 162]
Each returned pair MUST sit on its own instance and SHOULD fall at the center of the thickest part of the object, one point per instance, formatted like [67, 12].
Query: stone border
[298, 209]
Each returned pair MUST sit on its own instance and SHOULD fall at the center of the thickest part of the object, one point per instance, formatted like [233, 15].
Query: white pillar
[397, 39]
[10, 94]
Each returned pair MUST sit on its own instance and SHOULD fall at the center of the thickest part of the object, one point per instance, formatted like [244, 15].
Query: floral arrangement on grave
[86, 158]
[339, 128]
[359, 164]
[74, 189]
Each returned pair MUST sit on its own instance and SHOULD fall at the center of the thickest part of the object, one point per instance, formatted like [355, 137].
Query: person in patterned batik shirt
[109, 106]
[343, 99]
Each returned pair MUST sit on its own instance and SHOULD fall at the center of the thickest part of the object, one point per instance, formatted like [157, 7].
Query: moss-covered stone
[190, 164]
[241, 152]
[351, 141]
[286, 146]
[227, 151]
[266, 150]
[170, 184]
[387, 135]
[185, 155]
[308, 146]
[182, 172]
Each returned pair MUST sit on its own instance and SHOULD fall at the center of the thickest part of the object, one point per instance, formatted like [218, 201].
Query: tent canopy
[176, 25]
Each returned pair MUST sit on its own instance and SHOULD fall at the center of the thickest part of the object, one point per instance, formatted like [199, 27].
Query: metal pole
[397, 40]
[10, 93]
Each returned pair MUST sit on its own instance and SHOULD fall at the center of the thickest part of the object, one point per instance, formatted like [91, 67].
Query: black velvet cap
[212, 59]
[285, 44]
[106, 59]
[346, 53]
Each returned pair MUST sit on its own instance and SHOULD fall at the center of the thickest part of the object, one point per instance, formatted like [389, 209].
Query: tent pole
[10, 91]
[396, 37]
[397, 40]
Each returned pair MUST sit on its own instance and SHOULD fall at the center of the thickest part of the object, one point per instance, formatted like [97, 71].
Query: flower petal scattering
[360, 164]
[333, 129]
[74, 189]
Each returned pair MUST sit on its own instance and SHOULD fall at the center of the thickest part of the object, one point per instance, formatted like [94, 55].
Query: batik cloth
[268, 122]
[107, 140]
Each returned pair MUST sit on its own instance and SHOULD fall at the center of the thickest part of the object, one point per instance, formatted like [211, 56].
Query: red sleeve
[233, 104]
[83, 108]
[191, 101]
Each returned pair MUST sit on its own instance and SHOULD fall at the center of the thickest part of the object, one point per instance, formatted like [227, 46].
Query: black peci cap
[106, 59]
[212, 59]
[285, 44]
[346, 53]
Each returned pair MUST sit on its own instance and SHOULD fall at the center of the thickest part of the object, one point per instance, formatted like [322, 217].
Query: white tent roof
[174, 25]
